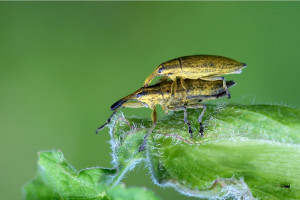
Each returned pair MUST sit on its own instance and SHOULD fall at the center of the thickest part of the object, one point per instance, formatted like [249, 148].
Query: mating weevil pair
[194, 79]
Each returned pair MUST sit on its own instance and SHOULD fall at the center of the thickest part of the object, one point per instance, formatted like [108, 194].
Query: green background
[63, 64]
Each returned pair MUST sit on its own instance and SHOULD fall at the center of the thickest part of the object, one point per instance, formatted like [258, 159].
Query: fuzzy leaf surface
[247, 152]
[57, 179]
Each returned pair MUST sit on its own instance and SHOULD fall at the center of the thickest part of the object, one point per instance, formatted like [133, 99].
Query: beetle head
[139, 95]
[142, 96]
[149, 96]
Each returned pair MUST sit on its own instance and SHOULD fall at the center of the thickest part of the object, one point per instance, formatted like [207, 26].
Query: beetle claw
[190, 132]
[201, 129]
[141, 148]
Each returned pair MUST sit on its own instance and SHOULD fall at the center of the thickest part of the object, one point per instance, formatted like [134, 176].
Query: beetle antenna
[107, 122]
[151, 76]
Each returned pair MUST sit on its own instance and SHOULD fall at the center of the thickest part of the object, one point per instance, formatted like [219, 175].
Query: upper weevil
[197, 91]
[205, 67]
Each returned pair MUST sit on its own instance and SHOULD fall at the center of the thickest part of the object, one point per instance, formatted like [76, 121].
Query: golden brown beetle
[205, 67]
[196, 91]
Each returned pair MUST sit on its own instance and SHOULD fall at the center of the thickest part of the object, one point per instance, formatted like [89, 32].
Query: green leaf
[247, 151]
[57, 179]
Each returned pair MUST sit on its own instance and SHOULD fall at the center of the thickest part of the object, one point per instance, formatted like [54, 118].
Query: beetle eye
[161, 69]
[139, 94]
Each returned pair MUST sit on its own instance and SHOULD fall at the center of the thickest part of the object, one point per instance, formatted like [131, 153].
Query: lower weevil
[195, 90]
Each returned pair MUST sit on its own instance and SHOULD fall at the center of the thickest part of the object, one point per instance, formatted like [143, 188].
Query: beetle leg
[200, 119]
[163, 79]
[183, 83]
[173, 91]
[154, 115]
[225, 86]
[218, 78]
[187, 122]
[154, 118]
[196, 106]
[174, 87]
[185, 88]
[165, 109]
[185, 117]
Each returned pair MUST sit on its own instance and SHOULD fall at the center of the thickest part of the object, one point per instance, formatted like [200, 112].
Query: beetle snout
[117, 104]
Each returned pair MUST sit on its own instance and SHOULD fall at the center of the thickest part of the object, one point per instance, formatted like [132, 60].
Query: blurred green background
[63, 64]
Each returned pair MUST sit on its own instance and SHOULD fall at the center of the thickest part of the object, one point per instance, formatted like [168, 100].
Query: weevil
[205, 67]
[196, 91]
